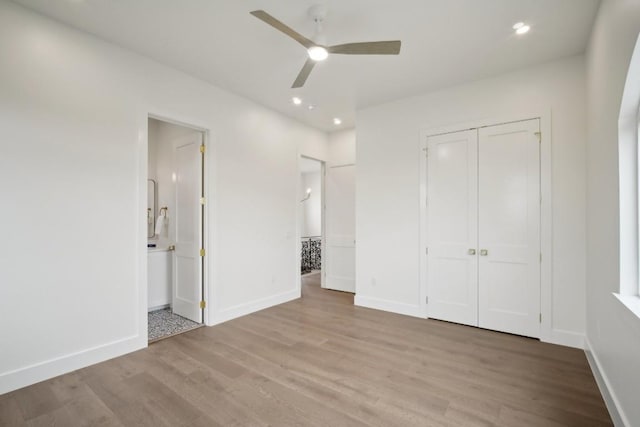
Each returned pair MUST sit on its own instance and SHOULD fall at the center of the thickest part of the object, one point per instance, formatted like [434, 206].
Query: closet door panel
[509, 228]
[452, 269]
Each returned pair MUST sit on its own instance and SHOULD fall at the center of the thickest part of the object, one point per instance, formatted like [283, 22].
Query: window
[629, 185]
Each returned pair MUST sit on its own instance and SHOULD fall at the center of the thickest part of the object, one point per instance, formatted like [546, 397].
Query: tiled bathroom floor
[163, 323]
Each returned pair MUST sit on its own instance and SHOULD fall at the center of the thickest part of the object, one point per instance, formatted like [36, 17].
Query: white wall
[388, 183]
[312, 207]
[73, 167]
[152, 151]
[613, 333]
[151, 174]
[342, 148]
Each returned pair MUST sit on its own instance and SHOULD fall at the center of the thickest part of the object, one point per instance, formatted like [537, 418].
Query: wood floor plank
[37, 400]
[318, 361]
[57, 417]
[10, 413]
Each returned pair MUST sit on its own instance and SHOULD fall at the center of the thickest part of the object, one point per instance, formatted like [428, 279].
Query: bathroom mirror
[151, 208]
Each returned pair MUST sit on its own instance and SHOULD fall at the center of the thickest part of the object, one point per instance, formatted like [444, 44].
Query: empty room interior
[303, 212]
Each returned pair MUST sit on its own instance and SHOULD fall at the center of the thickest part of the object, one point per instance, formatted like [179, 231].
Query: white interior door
[452, 221]
[340, 255]
[187, 283]
[509, 228]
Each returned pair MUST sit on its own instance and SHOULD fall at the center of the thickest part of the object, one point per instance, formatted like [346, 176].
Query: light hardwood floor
[320, 361]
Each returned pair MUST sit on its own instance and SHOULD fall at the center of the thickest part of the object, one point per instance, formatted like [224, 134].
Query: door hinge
[202, 252]
[426, 300]
[539, 135]
[540, 317]
[426, 151]
[202, 200]
[202, 149]
[426, 251]
[203, 304]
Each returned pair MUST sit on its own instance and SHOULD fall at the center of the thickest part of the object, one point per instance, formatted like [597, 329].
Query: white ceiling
[444, 42]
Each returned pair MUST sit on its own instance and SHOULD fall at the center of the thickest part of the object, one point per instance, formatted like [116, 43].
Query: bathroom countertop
[158, 249]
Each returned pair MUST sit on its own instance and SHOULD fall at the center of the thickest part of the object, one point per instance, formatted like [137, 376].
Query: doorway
[175, 228]
[311, 219]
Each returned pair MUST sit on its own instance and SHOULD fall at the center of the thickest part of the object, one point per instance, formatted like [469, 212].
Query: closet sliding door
[509, 228]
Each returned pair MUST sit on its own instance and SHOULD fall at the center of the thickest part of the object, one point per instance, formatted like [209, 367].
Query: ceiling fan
[317, 50]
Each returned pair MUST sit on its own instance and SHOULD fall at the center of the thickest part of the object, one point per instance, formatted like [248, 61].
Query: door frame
[207, 229]
[323, 228]
[547, 333]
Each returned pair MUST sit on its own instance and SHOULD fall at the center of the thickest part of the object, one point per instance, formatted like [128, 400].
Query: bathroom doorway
[311, 220]
[175, 228]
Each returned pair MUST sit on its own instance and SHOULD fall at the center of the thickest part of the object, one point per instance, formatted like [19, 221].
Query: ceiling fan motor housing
[318, 13]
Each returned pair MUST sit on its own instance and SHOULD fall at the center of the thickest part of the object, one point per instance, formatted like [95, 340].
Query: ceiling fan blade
[265, 17]
[304, 73]
[367, 48]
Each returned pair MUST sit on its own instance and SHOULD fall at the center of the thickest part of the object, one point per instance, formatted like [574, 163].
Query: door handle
[472, 251]
[484, 252]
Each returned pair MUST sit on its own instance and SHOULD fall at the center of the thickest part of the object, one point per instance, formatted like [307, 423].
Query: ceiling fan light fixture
[318, 53]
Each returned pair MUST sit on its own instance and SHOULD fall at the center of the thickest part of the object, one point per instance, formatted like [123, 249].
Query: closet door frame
[547, 334]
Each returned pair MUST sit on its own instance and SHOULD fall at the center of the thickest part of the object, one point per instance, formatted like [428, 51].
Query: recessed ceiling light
[337, 121]
[317, 53]
[296, 100]
[521, 28]
[311, 106]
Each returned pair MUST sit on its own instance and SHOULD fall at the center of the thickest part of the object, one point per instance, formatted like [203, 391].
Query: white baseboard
[391, 306]
[158, 307]
[22, 377]
[610, 399]
[566, 338]
[253, 306]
